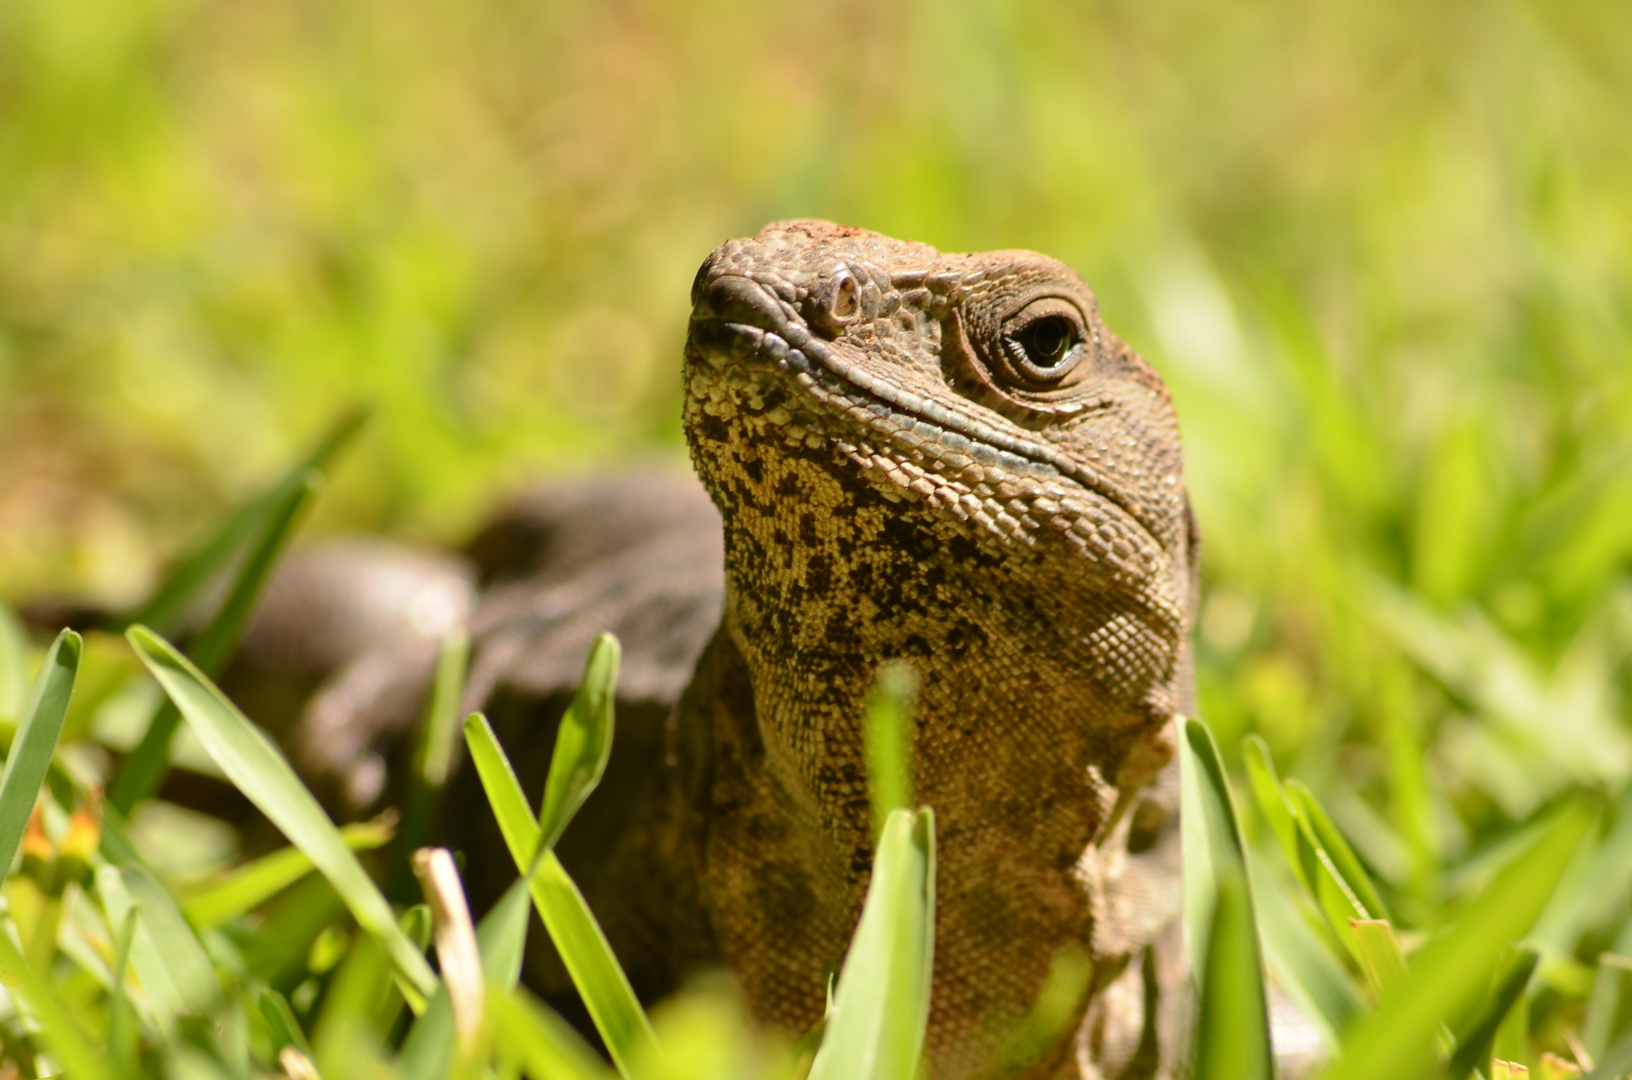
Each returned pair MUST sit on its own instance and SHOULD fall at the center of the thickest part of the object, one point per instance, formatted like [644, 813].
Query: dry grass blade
[455, 940]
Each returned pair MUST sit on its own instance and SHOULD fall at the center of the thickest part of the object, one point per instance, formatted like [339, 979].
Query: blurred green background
[1381, 251]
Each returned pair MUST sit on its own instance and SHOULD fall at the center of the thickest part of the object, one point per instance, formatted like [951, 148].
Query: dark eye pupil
[1050, 340]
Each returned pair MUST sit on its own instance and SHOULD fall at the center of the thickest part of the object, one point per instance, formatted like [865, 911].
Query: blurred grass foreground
[1381, 252]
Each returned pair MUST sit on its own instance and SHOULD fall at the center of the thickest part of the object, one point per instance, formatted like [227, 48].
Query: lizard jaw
[908, 427]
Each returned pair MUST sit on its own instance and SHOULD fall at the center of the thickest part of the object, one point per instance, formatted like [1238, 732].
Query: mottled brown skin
[910, 465]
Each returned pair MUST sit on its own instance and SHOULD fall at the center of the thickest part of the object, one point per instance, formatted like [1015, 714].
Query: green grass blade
[164, 1000]
[196, 570]
[121, 1016]
[1397, 1042]
[41, 1001]
[881, 1008]
[1054, 1014]
[1218, 899]
[1303, 963]
[255, 766]
[249, 886]
[144, 769]
[887, 731]
[594, 969]
[1473, 1050]
[1325, 835]
[442, 713]
[280, 1018]
[1609, 1009]
[174, 944]
[1232, 1029]
[584, 949]
[36, 741]
[1616, 1061]
[547, 1046]
[13, 663]
[358, 1003]
[584, 741]
[433, 757]
[504, 795]
[1381, 954]
[1270, 798]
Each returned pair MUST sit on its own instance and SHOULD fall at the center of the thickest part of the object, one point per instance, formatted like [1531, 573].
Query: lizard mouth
[739, 324]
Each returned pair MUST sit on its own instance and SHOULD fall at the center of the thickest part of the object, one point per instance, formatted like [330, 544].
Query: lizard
[942, 459]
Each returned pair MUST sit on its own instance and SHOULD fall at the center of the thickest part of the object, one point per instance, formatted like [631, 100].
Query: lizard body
[942, 459]
[949, 460]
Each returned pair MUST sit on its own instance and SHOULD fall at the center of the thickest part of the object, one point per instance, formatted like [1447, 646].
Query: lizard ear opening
[835, 301]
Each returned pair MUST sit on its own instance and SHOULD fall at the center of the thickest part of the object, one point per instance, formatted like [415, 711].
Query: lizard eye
[1044, 342]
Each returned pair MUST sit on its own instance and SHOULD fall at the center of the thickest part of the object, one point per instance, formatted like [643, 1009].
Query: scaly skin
[946, 459]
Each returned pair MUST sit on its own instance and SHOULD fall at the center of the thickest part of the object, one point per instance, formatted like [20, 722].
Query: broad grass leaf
[578, 938]
[1232, 1028]
[209, 904]
[1398, 1041]
[144, 769]
[260, 771]
[1218, 899]
[164, 999]
[36, 741]
[583, 743]
[881, 1008]
[1615, 1063]
[1477, 1041]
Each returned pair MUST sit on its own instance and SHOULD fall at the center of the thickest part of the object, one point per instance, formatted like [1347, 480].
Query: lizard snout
[735, 298]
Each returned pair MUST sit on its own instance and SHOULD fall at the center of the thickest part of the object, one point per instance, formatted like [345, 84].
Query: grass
[117, 968]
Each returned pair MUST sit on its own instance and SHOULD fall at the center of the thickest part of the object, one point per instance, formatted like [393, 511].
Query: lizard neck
[1017, 748]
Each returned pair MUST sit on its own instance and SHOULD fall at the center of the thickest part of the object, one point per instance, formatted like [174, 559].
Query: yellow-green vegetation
[1381, 252]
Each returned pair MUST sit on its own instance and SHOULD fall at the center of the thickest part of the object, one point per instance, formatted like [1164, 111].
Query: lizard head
[947, 459]
[993, 369]
[983, 388]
